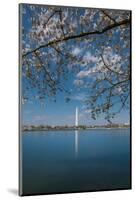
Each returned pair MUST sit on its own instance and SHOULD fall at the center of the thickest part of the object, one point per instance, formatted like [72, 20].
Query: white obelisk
[76, 117]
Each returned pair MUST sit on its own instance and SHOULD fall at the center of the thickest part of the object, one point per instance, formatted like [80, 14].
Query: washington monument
[76, 117]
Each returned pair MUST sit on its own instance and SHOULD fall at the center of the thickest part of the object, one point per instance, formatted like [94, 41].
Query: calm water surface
[71, 161]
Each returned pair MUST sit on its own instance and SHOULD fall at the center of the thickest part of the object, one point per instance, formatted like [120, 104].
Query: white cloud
[76, 51]
[78, 82]
[83, 73]
[89, 72]
[88, 111]
[39, 118]
[88, 57]
[79, 97]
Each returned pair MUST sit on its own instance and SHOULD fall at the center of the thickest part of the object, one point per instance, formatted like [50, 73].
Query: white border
[9, 99]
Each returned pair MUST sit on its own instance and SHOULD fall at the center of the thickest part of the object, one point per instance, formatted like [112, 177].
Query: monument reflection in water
[76, 131]
[76, 142]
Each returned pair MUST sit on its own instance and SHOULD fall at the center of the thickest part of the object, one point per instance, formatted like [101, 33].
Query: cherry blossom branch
[117, 24]
[106, 14]
[110, 69]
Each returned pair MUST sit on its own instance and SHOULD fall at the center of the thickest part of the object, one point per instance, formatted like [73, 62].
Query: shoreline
[77, 129]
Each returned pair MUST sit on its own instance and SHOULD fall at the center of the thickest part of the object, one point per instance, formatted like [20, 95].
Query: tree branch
[47, 73]
[123, 22]
[109, 17]
[110, 69]
[45, 24]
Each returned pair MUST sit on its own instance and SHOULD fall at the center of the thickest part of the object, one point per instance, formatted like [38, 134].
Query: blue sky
[62, 112]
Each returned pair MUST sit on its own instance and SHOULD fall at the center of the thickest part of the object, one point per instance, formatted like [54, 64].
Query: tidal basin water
[73, 161]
